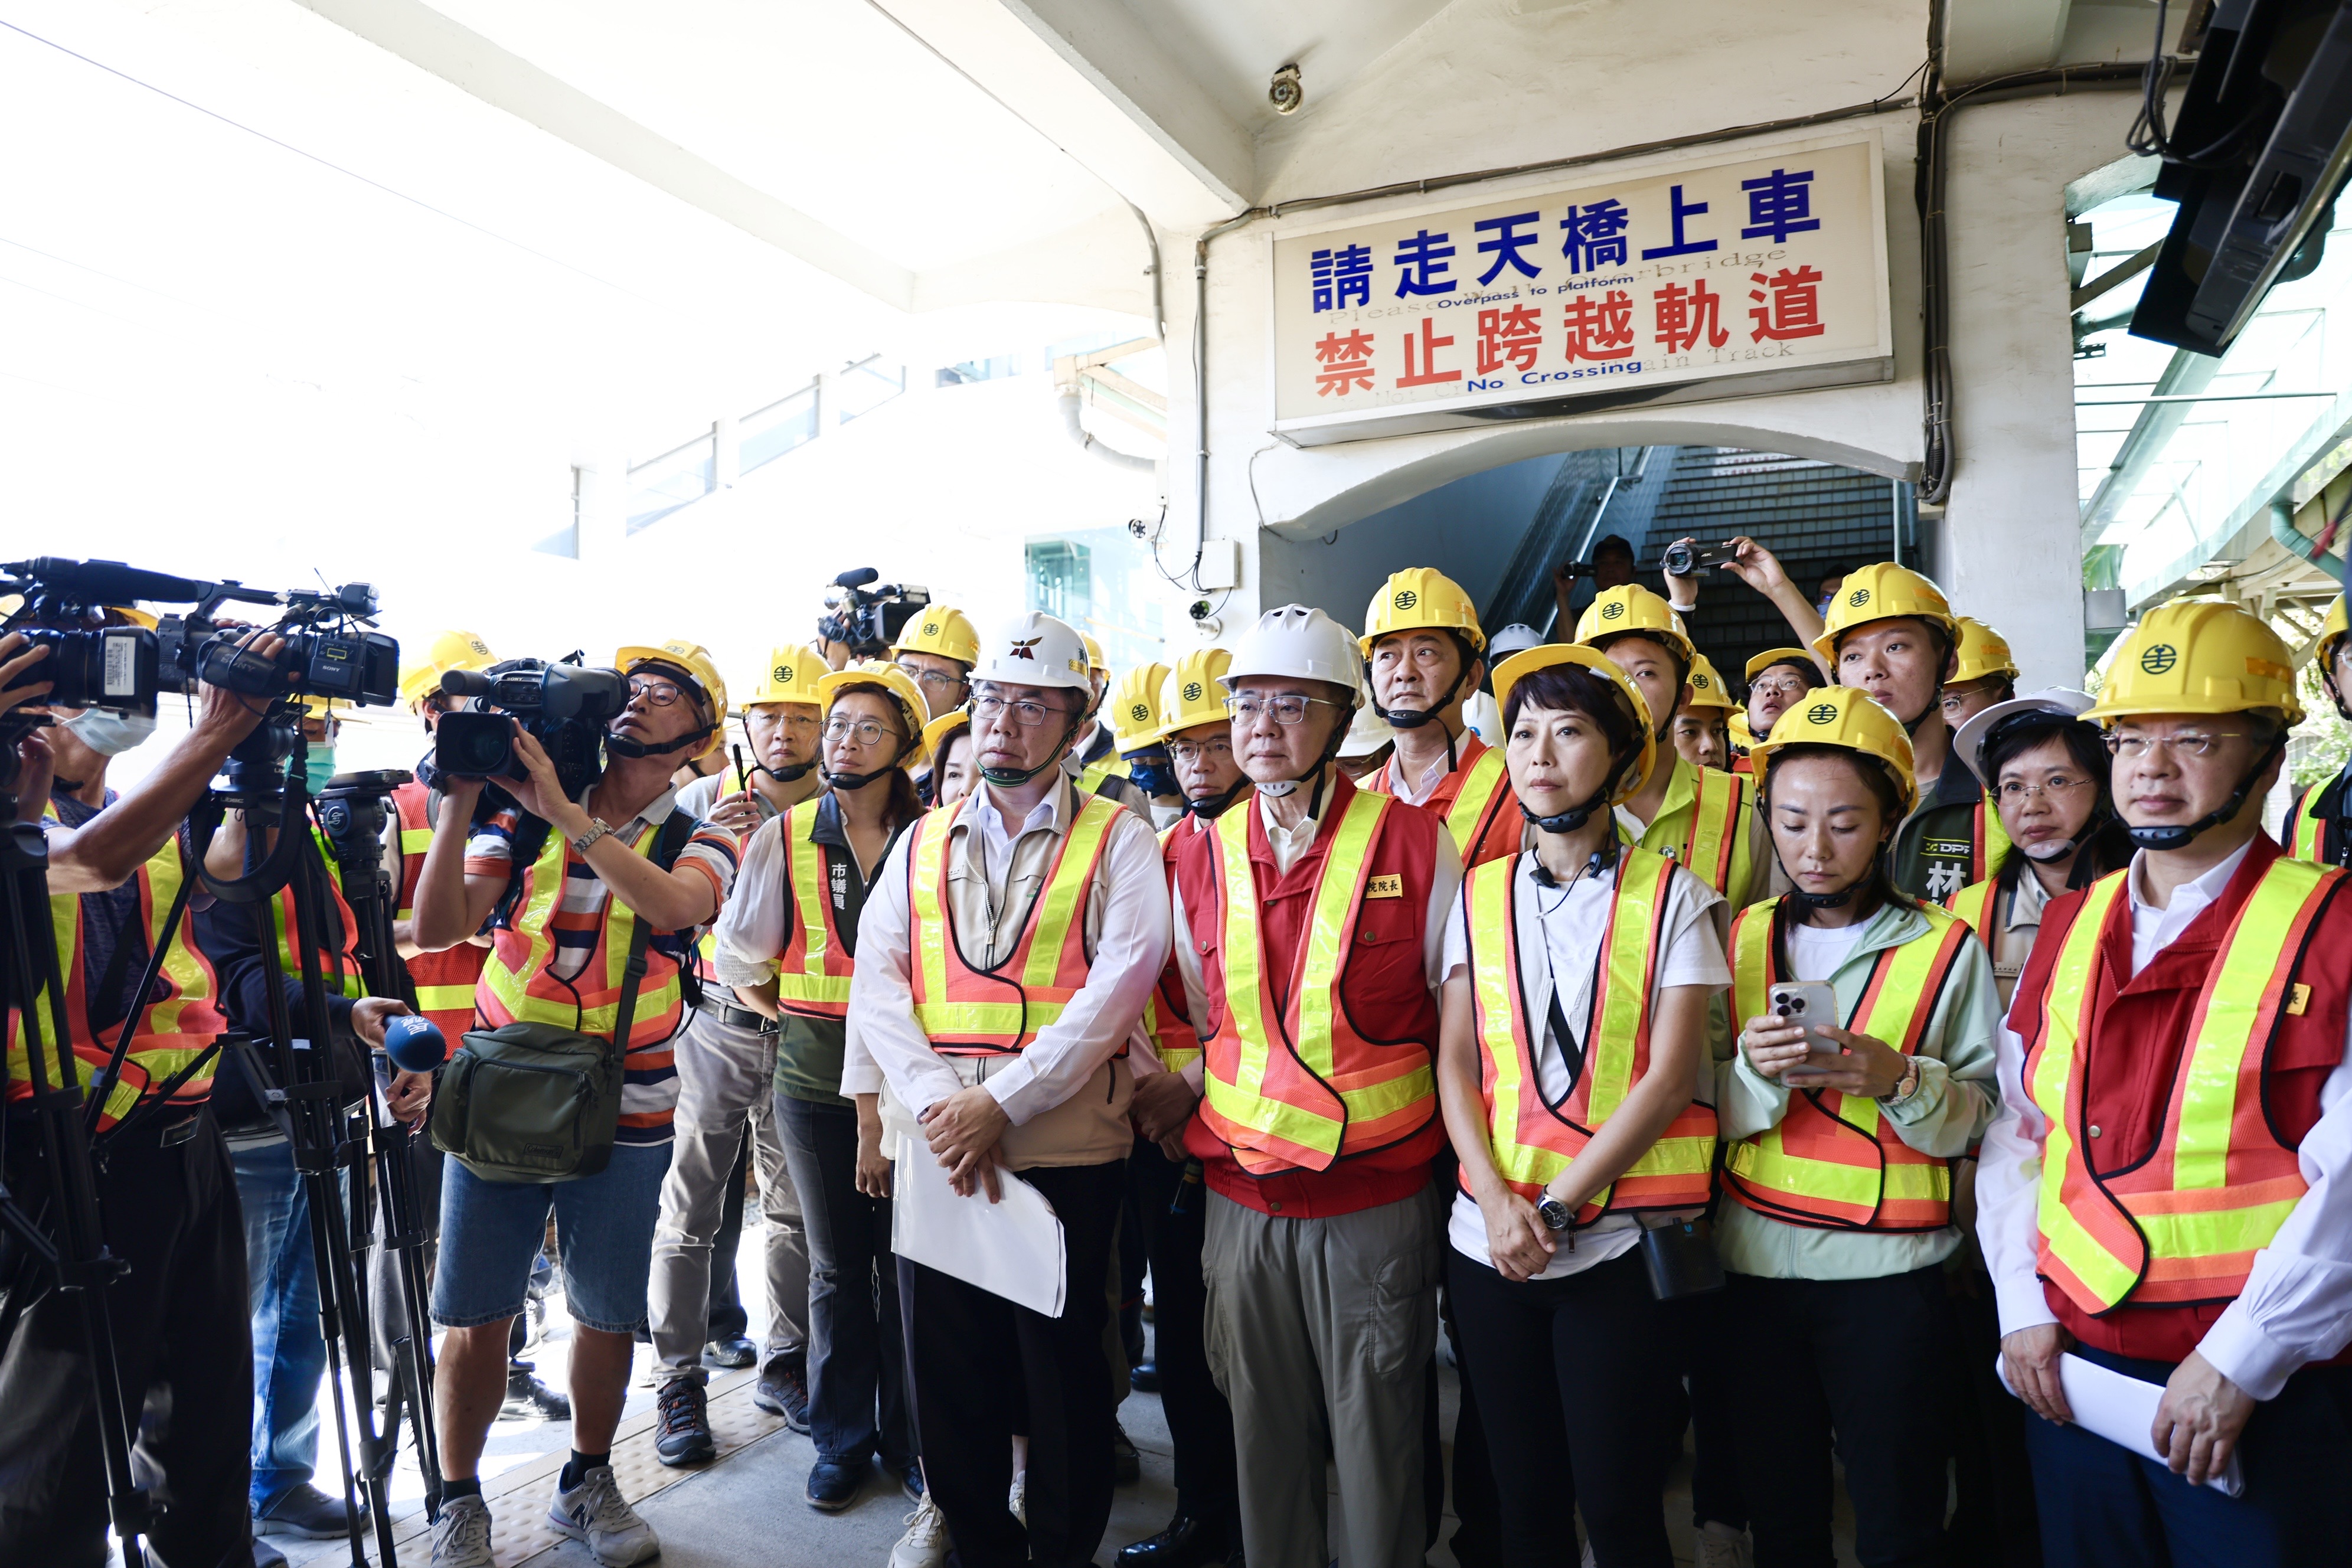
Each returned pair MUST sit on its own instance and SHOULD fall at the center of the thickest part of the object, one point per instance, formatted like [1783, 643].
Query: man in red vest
[1425, 657]
[1311, 921]
[2167, 1191]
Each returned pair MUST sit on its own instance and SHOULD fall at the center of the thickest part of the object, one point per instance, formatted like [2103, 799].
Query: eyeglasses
[1781, 686]
[765, 717]
[865, 731]
[2132, 748]
[2012, 790]
[1185, 753]
[1027, 714]
[938, 679]
[1288, 709]
[660, 693]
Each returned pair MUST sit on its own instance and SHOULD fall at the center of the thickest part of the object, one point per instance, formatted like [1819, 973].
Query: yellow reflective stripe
[1008, 1018]
[1996, 835]
[806, 863]
[65, 928]
[512, 989]
[1970, 904]
[443, 998]
[1096, 775]
[1327, 935]
[1766, 1162]
[2305, 831]
[1477, 793]
[1624, 981]
[2214, 1233]
[2071, 978]
[924, 858]
[181, 964]
[1065, 892]
[1244, 1100]
[415, 840]
[1712, 819]
[2235, 1001]
[1487, 913]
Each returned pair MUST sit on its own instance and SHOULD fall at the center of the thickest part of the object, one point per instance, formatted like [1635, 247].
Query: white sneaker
[1017, 1503]
[1718, 1545]
[595, 1512]
[1589, 1560]
[925, 1545]
[461, 1536]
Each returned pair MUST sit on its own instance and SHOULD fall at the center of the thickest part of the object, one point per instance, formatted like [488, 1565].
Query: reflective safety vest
[1167, 1016]
[339, 966]
[1094, 775]
[1484, 819]
[2310, 836]
[1298, 1087]
[2182, 1225]
[1716, 843]
[518, 986]
[1834, 1162]
[1988, 839]
[1534, 1140]
[1972, 904]
[968, 1011]
[178, 1023]
[444, 981]
[812, 973]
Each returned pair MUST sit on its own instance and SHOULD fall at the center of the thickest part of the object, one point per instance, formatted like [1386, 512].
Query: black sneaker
[1126, 1463]
[783, 1390]
[527, 1399]
[733, 1352]
[682, 1427]
[305, 1512]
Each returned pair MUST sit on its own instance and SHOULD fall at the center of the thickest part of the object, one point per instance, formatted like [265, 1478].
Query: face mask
[111, 735]
[318, 765]
[1153, 777]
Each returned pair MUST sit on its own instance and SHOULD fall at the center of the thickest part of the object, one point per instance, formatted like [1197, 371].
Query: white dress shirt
[885, 1041]
[2296, 1306]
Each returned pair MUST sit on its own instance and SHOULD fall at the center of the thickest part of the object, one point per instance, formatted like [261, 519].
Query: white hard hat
[1302, 643]
[1034, 649]
[1368, 734]
[1516, 637]
[2059, 701]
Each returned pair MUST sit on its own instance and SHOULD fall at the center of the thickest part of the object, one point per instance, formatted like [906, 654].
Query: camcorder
[328, 652]
[564, 706]
[868, 618]
[1681, 560]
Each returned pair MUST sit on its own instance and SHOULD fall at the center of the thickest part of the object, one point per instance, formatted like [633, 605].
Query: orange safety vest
[444, 981]
[2182, 1226]
[998, 1011]
[814, 971]
[518, 984]
[171, 1031]
[1833, 1162]
[2308, 832]
[1300, 1086]
[1972, 904]
[338, 965]
[1480, 803]
[1533, 1140]
[1716, 842]
[1167, 1016]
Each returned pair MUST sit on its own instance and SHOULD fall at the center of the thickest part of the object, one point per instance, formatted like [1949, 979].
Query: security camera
[1198, 609]
[1284, 91]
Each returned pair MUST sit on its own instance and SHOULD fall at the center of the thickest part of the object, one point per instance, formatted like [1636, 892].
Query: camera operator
[164, 1190]
[557, 958]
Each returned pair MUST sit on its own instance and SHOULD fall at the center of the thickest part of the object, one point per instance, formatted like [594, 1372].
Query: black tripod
[75, 1250]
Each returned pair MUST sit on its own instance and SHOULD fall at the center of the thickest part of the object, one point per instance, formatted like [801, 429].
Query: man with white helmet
[1314, 921]
[1003, 964]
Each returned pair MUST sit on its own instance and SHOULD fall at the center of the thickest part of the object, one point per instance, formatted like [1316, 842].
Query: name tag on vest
[1389, 886]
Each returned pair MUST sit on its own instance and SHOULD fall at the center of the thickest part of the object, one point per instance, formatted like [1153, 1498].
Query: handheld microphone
[415, 1044]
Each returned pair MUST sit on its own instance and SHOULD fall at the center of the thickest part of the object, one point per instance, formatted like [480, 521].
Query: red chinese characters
[1346, 362]
[1792, 307]
[1514, 335]
[1599, 329]
[1420, 357]
[1684, 316]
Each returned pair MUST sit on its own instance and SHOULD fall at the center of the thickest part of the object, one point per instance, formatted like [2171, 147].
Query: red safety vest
[814, 971]
[1532, 1141]
[1833, 1162]
[445, 981]
[968, 1011]
[1482, 815]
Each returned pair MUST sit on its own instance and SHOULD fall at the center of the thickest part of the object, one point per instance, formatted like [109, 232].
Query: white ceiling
[1233, 48]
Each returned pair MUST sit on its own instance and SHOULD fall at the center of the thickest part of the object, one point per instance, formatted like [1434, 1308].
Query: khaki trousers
[1318, 1333]
[725, 1081]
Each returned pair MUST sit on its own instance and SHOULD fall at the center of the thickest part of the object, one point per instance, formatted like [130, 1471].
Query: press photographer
[591, 947]
[862, 621]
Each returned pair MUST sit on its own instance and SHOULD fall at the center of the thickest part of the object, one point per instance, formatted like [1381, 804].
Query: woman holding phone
[1839, 1141]
[1570, 1063]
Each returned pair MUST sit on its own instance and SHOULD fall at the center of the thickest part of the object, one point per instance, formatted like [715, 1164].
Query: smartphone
[1814, 1005]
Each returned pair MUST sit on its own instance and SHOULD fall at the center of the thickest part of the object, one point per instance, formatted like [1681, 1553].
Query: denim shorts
[491, 1233]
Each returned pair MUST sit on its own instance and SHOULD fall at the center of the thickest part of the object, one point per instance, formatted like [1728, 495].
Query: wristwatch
[1908, 1085]
[1555, 1213]
[597, 828]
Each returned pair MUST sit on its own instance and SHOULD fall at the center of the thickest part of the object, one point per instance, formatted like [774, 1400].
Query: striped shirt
[649, 1085]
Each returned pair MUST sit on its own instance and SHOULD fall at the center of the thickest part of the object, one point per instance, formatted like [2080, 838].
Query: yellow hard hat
[1192, 696]
[1983, 651]
[1519, 665]
[1134, 707]
[1630, 607]
[450, 651]
[937, 732]
[2198, 655]
[1846, 717]
[940, 629]
[1882, 591]
[1421, 598]
[1772, 655]
[1706, 687]
[696, 660]
[912, 710]
[1741, 735]
[2332, 631]
[789, 676]
[316, 707]
[1094, 664]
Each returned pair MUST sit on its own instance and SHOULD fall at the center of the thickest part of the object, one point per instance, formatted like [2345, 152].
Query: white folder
[2120, 1408]
[1012, 1248]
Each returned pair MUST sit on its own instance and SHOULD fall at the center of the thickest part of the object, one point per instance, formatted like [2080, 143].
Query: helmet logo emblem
[1699, 680]
[2157, 658]
[930, 629]
[1858, 598]
[1614, 610]
[1822, 714]
[1022, 649]
[1193, 692]
[1406, 599]
[1140, 711]
[783, 675]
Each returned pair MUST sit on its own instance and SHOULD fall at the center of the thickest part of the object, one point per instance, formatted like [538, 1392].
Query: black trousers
[1709, 1340]
[1577, 1373]
[1200, 1422]
[1862, 1364]
[978, 1362]
[857, 1354]
[1995, 1523]
[184, 1343]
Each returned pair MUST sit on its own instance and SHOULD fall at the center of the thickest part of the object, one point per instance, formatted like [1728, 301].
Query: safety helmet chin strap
[622, 745]
[2163, 837]
[1013, 778]
[1282, 787]
[1209, 807]
[1414, 718]
[859, 781]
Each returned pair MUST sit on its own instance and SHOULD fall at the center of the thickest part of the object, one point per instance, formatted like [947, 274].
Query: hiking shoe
[527, 1399]
[595, 1512]
[925, 1545]
[461, 1536]
[682, 1425]
[834, 1484]
[783, 1390]
[305, 1512]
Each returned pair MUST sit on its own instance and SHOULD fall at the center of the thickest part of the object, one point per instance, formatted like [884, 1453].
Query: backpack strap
[671, 838]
